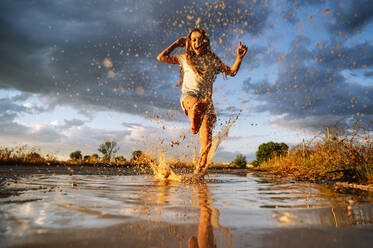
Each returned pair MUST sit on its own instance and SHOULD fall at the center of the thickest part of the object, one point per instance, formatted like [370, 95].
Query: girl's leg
[196, 110]
[205, 136]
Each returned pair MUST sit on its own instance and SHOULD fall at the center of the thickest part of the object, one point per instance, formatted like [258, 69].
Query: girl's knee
[189, 102]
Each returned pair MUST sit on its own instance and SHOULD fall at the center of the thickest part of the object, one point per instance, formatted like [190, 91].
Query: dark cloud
[352, 15]
[349, 15]
[344, 57]
[368, 74]
[8, 106]
[311, 90]
[101, 55]
[131, 125]
[72, 123]
[290, 8]
[9, 111]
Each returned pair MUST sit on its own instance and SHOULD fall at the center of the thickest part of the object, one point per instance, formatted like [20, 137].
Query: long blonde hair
[194, 60]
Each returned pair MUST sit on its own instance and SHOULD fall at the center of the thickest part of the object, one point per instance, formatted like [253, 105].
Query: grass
[30, 155]
[24, 154]
[348, 158]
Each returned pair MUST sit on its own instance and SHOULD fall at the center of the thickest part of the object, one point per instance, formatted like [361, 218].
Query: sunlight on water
[222, 202]
[89, 197]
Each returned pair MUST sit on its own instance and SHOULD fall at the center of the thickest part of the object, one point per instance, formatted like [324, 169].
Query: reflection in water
[208, 217]
[208, 214]
[208, 220]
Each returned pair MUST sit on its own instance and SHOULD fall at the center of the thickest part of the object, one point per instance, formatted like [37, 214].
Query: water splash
[216, 141]
[220, 137]
[163, 171]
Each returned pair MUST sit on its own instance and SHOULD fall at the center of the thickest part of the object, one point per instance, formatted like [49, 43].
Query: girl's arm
[165, 55]
[232, 71]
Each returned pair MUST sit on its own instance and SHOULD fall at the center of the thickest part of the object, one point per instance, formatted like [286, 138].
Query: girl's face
[198, 42]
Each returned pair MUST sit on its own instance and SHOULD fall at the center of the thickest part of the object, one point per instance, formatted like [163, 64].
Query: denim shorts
[199, 96]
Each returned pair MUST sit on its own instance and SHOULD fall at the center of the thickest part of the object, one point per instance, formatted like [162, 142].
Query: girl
[199, 69]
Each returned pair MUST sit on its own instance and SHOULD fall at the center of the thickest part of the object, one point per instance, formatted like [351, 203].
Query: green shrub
[240, 161]
[77, 155]
[270, 150]
[136, 154]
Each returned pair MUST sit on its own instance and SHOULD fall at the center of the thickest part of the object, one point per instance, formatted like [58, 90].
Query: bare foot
[196, 115]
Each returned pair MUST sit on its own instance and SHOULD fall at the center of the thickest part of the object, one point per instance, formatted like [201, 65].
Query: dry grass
[24, 154]
[31, 155]
[348, 158]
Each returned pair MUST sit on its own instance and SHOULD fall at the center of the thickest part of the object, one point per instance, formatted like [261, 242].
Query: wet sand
[29, 169]
[55, 208]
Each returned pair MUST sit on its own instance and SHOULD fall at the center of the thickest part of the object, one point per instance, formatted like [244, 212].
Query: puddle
[215, 212]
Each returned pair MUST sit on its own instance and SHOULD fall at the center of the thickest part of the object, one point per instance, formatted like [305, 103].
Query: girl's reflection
[208, 221]
[160, 194]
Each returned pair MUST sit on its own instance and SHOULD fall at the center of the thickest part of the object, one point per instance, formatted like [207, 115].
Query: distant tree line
[109, 151]
[265, 152]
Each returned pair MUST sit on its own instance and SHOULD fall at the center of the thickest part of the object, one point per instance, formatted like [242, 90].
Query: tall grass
[343, 158]
[23, 154]
[31, 155]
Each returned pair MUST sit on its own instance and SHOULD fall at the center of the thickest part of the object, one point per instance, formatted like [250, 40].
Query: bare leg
[196, 110]
[205, 136]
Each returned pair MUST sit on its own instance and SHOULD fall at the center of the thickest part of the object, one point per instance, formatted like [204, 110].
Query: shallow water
[139, 211]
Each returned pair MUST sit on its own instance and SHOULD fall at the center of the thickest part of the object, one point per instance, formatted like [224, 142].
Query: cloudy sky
[74, 73]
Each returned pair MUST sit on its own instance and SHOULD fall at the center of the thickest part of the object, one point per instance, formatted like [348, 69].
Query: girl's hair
[191, 57]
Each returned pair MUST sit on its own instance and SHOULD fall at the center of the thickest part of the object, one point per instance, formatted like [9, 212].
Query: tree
[120, 160]
[240, 161]
[77, 155]
[270, 150]
[108, 149]
[34, 156]
[94, 158]
[136, 155]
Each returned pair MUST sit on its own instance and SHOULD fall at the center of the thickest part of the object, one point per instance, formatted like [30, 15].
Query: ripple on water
[94, 201]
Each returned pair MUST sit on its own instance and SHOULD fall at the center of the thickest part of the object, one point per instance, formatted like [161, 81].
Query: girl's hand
[181, 41]
[241, 50]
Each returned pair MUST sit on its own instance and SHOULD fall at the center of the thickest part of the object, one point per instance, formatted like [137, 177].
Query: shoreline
[344, 184]
[23, 169]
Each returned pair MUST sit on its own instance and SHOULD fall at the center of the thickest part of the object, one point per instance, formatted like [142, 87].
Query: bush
[341, 158]
[270, 150]
[240, 161]
[120, 160]
[92, 159]
[34, 156]
[77, 155]
[136, 154]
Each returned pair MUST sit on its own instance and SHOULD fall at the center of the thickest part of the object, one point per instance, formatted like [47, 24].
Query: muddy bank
[88, 169]
[61, 169]
[337, 183]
